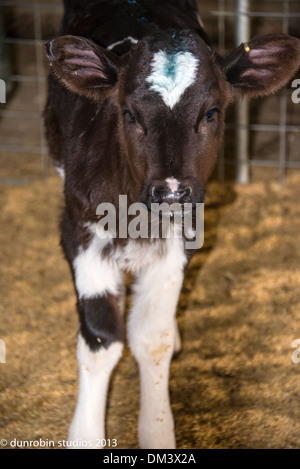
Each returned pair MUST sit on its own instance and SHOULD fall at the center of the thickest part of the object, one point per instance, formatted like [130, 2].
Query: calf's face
[172, 97]
[171, 91]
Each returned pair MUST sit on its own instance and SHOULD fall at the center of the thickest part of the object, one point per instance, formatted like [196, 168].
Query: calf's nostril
[157, 194]
[185, 194]
[161, 193]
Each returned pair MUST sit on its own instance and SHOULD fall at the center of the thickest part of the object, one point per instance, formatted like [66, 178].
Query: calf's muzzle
[172, 191]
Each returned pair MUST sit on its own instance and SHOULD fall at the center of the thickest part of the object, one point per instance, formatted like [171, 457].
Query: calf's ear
[262, 66]
[82, 66]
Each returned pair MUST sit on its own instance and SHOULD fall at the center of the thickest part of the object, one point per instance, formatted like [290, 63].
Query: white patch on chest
[172, 74]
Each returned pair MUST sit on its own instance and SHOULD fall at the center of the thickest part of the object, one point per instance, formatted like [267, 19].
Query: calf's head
[171, 91]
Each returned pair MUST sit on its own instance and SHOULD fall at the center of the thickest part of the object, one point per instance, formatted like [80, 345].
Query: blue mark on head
[170, 67]
[138, 11]
[179, 41]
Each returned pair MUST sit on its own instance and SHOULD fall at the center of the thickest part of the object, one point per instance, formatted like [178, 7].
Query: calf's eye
[211, 114]
[131, 118]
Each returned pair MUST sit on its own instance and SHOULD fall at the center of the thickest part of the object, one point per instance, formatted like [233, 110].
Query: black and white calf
[137, 97]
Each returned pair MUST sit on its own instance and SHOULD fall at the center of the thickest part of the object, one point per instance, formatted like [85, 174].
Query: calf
[137, 97]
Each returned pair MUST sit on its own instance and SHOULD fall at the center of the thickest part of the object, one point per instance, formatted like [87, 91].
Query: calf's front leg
[152, 335]
[100, 342]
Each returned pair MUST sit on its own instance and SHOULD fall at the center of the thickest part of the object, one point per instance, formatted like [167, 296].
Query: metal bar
[20, 149]
[15, 181]
[283, 103]
[285, 17]
[27, 78]
[255, 14]
[221, 27]
[29, 5]
[242, 109]
[20, 114]
[221, 47]
[266, 163]
[268, 127]
[24, 42]
[41, 85]
[275, 164]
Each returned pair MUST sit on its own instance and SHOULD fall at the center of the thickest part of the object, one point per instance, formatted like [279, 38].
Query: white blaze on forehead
[172, 74]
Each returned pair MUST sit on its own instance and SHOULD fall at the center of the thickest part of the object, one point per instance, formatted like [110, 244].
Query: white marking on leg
[172, 74]
[95, 275]
[95, 368]
[151, 334]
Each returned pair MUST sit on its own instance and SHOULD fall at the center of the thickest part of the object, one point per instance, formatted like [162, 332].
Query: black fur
[101, 323]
